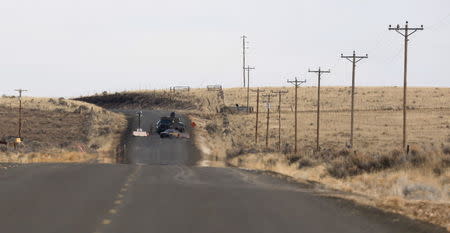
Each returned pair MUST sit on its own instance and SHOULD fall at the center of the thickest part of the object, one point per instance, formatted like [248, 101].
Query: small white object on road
[140, 133]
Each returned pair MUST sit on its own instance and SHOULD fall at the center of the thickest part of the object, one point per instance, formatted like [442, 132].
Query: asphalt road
[154, 150]
[161, 191]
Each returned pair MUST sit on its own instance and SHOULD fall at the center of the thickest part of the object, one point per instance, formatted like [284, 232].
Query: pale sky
[78, 47]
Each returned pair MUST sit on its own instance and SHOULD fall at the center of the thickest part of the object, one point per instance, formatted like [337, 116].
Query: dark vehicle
[178, 125]
[163, 124]
[171, 122]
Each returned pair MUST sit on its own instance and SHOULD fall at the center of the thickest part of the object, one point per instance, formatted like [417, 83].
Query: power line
[393, 58]
[296, 83]
[353, 59]
[405, 31]
[319, 74]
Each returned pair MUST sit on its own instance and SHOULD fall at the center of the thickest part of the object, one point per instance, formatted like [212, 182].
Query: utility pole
[319, 74]
[279, 93]
[244, 47]
[405, 32]
[353, 59]
[257, 113]
[248, 68]
[20, 112]
[268, 116]
[140, 115]
[296, 83]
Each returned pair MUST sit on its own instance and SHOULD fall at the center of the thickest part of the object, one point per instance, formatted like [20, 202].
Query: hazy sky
[73, 47]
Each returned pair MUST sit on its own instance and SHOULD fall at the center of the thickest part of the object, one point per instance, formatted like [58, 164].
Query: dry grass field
[59, 130]
[376, 169]
[417, 184]
[378, 117]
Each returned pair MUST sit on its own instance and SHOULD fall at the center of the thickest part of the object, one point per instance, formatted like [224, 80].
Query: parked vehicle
[170, 133]
[179, 125]
[163, 124]
[170, 122]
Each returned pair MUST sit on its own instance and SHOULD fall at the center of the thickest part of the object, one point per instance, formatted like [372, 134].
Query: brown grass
[415, 185]
[378, 118]
[378, 121]
[416, 192]
[59, 130]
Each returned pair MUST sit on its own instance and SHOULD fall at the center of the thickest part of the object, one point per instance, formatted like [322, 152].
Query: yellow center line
[106, 221]
[119, 200]
[113, 211]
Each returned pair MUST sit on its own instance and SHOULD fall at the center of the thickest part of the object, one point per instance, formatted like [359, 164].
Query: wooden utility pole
[244, 47]
[268, 116]
[248, 68]
[296, 83]
[353, 59]
[319, 74]
[257, 113]
[20, 112]
[405, 32]
[279, 93]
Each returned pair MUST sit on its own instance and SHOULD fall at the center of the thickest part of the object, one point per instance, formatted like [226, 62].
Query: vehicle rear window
[165, 121]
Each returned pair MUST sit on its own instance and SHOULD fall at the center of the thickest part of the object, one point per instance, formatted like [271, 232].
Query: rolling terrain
[376, 170]
[145, 196]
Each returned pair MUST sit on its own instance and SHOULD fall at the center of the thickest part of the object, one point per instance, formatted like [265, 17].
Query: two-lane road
[154, 150]
[161, 190]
